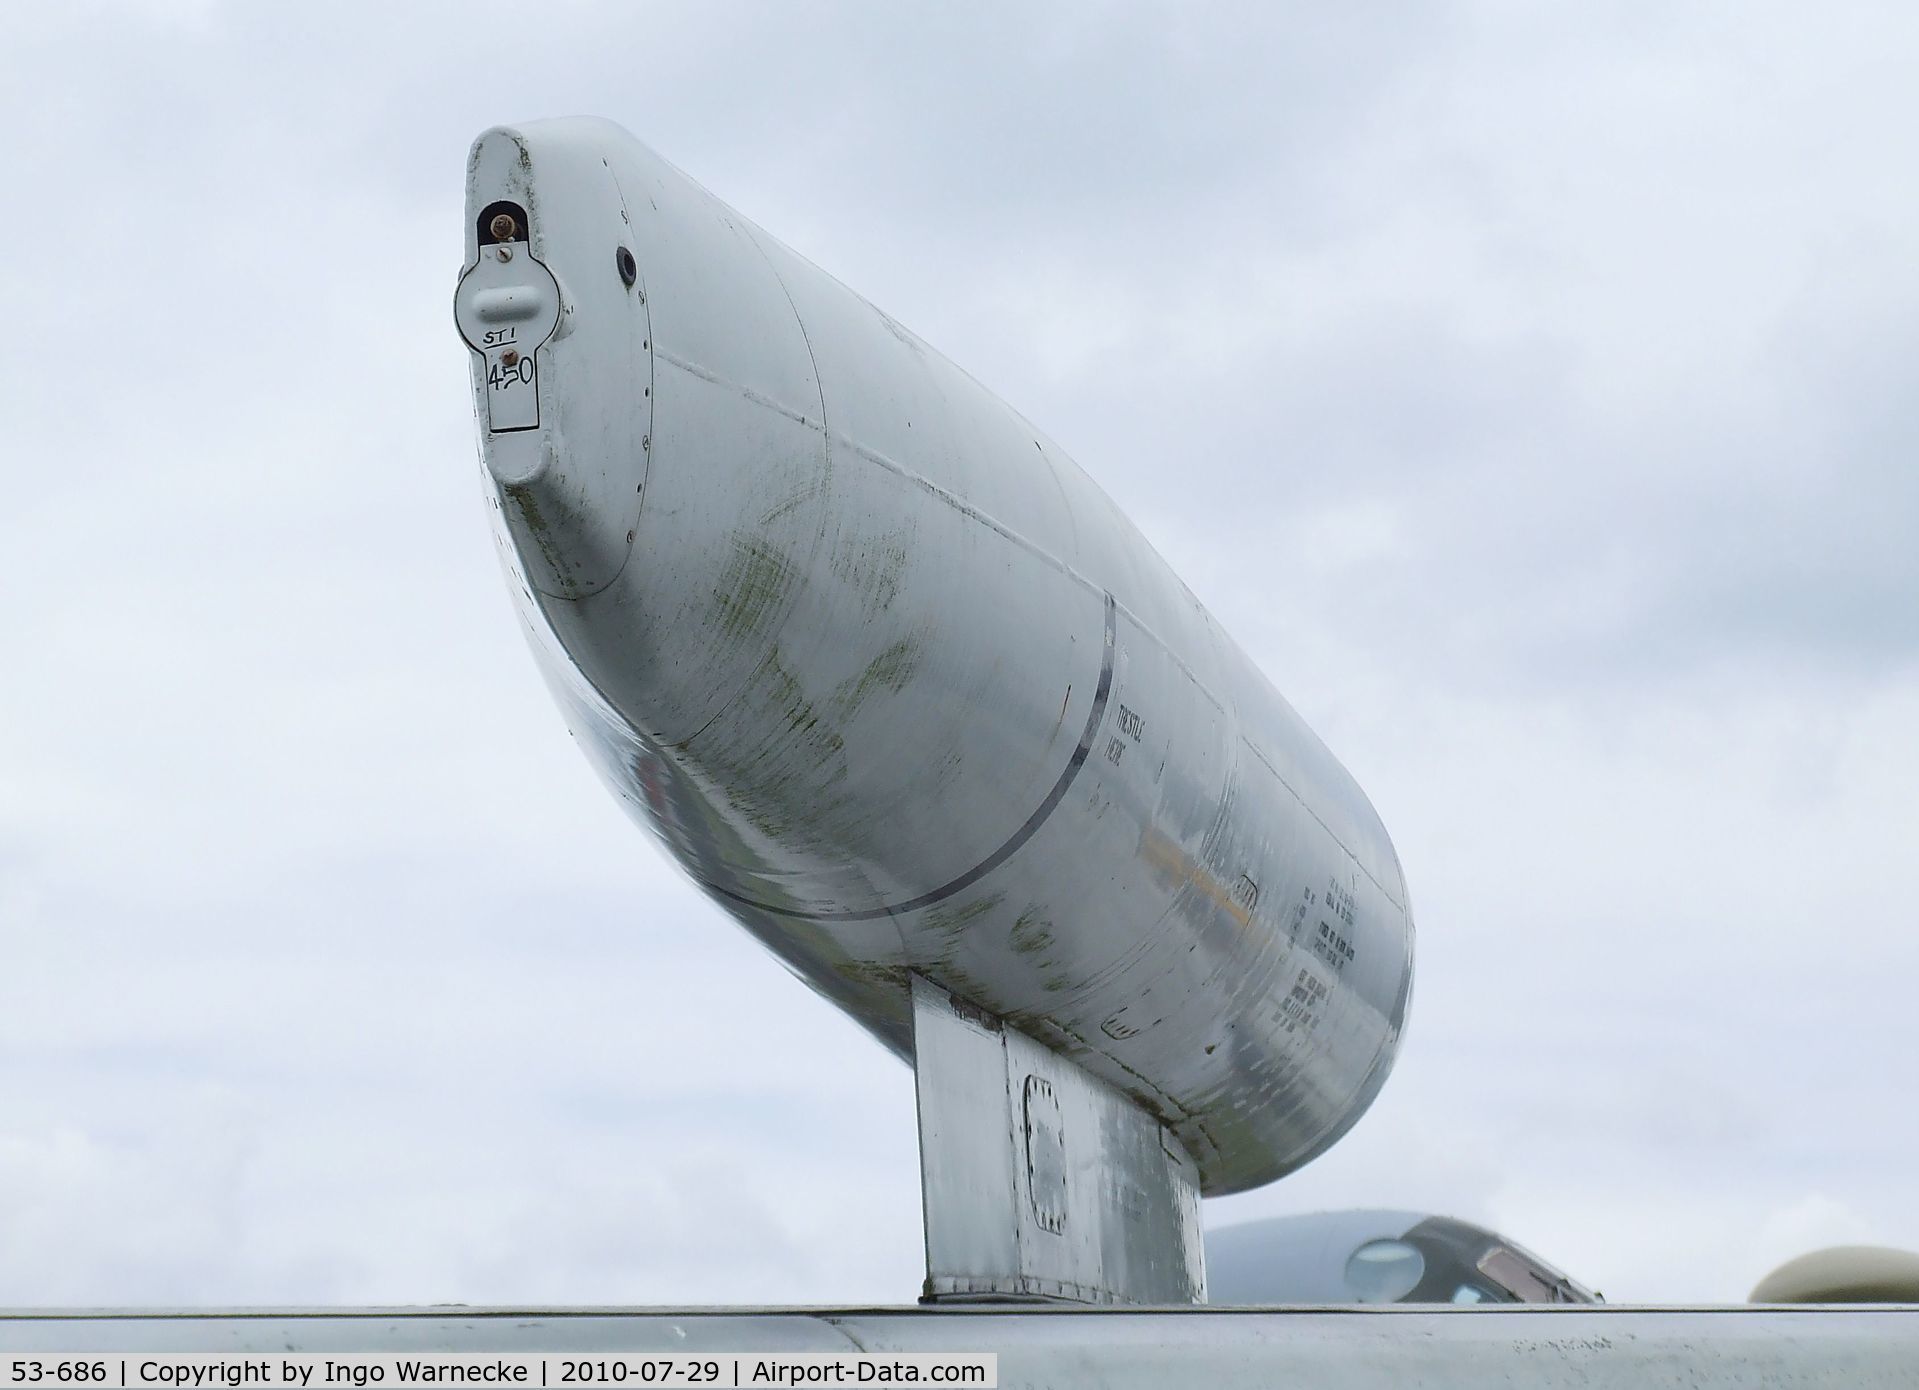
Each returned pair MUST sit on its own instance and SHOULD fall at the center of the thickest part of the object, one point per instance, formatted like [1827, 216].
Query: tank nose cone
[554, 318]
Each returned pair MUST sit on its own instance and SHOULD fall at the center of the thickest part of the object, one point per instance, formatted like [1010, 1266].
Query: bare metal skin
[1389, 1348]
[893, 679]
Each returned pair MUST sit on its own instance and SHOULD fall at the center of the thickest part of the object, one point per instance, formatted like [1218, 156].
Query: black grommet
[629, 271]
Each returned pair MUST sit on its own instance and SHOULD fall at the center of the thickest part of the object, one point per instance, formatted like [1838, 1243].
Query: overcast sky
[1529, 389]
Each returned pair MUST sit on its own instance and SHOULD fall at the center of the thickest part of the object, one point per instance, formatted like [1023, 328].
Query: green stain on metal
[950, 923]
[876, 570]
[754, 584]
[889, 671]
[1031, 933]
[797, 500]
[526, 502]
[797, 712]
[779, 756]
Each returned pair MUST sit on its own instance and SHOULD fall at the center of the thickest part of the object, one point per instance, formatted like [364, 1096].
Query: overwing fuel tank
[895, 681]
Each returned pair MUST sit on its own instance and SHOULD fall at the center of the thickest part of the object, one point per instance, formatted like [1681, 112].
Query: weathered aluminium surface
[896, 682]
[1301, 1349]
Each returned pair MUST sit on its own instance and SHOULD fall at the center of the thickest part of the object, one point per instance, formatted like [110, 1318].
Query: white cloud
[1525, 391]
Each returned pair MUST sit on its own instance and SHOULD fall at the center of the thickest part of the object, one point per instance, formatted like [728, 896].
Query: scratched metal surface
[1303, 1349]
[899, 685]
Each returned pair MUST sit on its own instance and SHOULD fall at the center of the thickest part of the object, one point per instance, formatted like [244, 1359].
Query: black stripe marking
[1005, 851]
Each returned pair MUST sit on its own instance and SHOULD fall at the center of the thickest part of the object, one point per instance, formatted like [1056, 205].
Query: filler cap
[507, 306]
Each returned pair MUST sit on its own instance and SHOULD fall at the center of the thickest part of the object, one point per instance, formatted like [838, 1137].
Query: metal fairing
[904, 691]
[1041, 1182]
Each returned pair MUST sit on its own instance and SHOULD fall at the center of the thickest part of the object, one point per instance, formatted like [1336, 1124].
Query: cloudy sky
[1530, 391]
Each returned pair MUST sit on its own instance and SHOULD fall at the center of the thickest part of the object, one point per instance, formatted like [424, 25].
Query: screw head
[510, 358]
[505, 226]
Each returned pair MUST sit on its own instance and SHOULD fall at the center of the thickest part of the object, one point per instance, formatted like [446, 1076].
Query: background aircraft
[1377, 1257]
